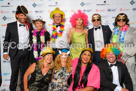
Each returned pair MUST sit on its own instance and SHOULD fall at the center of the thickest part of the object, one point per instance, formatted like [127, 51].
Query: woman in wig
[40, 72]
[62, 72]
[124, 36]
[85, 74]
[78, 35]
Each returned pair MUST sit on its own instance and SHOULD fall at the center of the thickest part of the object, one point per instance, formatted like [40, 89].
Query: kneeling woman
[62, 72]
[85, 74]
[41, 72]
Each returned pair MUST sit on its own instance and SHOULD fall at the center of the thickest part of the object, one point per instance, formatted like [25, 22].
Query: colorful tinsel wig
[110, 48]
[75, 16]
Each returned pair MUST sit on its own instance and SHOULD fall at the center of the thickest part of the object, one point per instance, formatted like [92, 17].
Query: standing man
[98, 36]
[17, 42]
[58, 31]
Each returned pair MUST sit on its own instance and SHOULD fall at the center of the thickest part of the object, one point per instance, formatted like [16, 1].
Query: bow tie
[58, 25]
[21, 25]
[113, 64]
[97, 28]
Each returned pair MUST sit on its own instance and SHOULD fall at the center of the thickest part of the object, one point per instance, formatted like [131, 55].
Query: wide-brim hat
[57, 10]
[47, 50]
[21, 9]
[38, 20]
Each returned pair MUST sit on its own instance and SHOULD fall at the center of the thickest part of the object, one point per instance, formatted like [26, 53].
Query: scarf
[56, 34]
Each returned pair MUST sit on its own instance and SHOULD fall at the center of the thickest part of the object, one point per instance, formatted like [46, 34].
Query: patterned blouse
[59, 82]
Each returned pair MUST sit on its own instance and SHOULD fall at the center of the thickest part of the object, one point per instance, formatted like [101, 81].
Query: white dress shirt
[98, 39]
[61, 42]
[23, 35]
[115, 74]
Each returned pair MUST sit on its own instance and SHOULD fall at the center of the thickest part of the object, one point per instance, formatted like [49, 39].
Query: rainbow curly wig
[110, 48]
[75, 16]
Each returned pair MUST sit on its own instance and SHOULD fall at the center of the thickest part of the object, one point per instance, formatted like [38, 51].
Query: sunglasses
[95, 20]
[120, 20]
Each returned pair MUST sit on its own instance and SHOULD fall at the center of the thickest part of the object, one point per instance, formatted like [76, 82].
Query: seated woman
[114, 74]
[62, 72]
[41, 37]
[85, 74]
[41, 72]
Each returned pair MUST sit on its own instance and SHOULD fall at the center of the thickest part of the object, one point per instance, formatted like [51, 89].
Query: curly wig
[58, 63]
[110, 48]
[75, 16]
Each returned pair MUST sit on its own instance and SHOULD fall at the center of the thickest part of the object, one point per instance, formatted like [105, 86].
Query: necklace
[42, 38]
[56, 34]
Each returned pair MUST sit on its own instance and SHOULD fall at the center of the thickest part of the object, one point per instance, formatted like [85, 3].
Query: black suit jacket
[106, 34]
[12, 39]
[107, 77]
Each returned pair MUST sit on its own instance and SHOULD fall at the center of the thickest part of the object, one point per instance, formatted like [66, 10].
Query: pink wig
[75, 16]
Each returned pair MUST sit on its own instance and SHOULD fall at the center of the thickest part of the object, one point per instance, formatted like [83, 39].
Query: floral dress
[39, 82]
[59, 82]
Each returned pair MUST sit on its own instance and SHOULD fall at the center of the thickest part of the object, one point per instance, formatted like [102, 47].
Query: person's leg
[14, 73]
[23, 67]
[97, 58]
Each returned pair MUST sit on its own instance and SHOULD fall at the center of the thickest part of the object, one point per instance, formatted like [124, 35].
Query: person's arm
[86, 38]
[127, 79]
[6, 43]
[29, 71]
[87, 89]
[104, 81]
[70, 35]
[47, 35]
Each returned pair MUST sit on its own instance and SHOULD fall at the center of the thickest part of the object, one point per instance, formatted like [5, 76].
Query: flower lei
[35, 46]
[56, 34]
[121, 36]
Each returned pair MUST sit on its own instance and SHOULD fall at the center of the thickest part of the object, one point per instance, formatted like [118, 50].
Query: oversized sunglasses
[95, 20]
[121, 19]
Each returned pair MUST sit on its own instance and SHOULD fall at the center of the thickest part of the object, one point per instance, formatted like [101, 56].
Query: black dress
[38, 81]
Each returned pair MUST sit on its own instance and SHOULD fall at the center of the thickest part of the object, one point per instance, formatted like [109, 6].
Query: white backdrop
[108, 9]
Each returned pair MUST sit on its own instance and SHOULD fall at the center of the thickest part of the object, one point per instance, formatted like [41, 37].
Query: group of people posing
[65, 58]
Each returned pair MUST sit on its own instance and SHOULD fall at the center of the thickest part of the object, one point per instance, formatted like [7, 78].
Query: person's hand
[124, 89]
[26, 89]
[123, 61]
[5, 56]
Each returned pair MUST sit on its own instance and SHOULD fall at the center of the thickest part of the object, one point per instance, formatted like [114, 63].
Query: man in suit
[16, 46]
[98, 36]
[114, 74]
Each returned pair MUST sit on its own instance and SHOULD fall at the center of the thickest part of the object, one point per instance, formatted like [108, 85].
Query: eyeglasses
[121, 20]
[63, 56]
[95, 20]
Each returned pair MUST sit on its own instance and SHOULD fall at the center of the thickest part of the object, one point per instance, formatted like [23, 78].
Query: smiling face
[111, 57]
[85, 57]
[63, 57]
[21, 18]
[79, 22]
[57, 18]
[121, 21]
[96, 20]
[48, 58]
[38, 25]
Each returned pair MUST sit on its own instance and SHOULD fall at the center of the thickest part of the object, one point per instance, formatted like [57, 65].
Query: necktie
[21, 25]
[97, 28]
[113, 64]
[58, 25]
